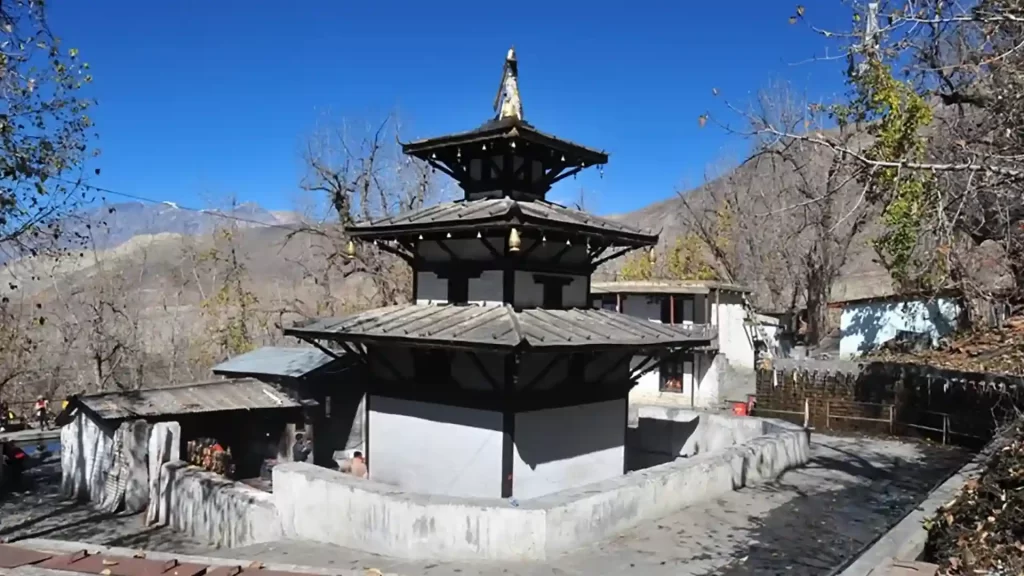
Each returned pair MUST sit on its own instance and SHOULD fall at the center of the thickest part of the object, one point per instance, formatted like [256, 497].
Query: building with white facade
[698, 378]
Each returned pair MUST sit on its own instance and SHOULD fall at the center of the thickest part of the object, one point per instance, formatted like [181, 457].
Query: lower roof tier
[503, 327]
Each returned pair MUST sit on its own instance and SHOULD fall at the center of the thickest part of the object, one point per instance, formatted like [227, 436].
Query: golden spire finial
[507, 102]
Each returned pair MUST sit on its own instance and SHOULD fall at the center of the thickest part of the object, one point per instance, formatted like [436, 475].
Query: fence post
[828, 413]
[807, 412]
[945, 428]
[892, 418]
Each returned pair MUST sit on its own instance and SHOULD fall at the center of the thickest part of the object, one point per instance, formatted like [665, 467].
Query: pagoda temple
[500, 379]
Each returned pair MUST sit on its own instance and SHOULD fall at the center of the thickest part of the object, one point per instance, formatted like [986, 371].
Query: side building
[703, 377]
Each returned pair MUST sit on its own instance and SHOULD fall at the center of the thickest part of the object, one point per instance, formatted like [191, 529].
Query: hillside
[772, 224]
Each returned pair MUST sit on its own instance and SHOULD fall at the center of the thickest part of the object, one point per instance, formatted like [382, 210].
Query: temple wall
[564, 448]
[488, 288]
[530, 294]
[430, 289]
[435, 449]
[382, 520]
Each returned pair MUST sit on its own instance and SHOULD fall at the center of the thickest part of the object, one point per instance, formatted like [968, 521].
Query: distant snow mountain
[111, 225]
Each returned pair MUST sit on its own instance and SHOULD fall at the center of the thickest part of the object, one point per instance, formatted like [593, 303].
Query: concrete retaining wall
[333, 508]
[225, 513]
[661, 434]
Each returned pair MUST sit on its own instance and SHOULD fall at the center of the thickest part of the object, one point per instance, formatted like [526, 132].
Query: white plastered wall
[700, 381]
[435, 449]
[562, 448]
[86, 455]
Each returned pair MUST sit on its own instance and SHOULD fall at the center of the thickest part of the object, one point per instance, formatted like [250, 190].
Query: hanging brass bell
[514, 243]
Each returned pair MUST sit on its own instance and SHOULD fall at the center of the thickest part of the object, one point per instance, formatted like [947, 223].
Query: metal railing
[890, 419]
[829, 416]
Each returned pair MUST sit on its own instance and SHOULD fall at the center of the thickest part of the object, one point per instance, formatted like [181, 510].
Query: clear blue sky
[204, 99]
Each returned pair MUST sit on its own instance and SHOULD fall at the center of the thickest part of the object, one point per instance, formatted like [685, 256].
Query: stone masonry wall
[967, 405]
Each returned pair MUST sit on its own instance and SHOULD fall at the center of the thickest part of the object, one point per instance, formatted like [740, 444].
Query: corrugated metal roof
[275, 361]
[502, 326]
[501, 211]
[216, 396]
[663, 287]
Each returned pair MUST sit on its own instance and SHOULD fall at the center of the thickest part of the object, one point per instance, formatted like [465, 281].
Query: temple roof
[501, 213]
[505, 128]
[501, 326]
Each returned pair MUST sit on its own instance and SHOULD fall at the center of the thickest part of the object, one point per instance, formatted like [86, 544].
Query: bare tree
[362, 175]
[99, 318]
[235, 321]
[936, 86]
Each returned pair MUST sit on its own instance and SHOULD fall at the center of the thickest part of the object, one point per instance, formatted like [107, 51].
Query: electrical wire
[214, 213]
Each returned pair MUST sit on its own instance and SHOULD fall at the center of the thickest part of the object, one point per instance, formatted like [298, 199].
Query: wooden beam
[613, 256]
[454, 257]
[392, 250]
[543, 372]
[483, 372]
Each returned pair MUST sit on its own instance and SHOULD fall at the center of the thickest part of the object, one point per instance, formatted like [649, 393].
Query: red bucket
[739, 408]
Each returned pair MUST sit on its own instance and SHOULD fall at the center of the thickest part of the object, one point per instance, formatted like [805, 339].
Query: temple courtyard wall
[707, 456]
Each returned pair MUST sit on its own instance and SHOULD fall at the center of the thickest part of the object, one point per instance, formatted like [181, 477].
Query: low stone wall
[661, 434]
[208, 506]
[333, 508]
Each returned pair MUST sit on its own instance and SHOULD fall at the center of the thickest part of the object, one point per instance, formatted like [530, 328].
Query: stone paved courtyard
[808, 522]
[39, 512]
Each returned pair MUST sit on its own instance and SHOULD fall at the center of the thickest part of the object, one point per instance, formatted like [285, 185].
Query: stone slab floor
[806, 523]
[39, 512]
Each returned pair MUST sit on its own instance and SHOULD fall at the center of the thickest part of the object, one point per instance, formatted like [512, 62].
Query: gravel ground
[39, 512]
[806, 523]
[809, 521]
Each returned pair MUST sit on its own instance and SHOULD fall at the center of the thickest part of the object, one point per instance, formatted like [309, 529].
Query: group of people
[302, 448]
[207, 453]
[41, 413]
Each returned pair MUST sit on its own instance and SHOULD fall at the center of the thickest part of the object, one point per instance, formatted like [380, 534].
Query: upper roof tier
[501, 214]
[506, 157]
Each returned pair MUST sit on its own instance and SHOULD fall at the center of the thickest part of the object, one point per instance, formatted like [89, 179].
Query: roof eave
[421, 148]
[505, 346]
[618, 238]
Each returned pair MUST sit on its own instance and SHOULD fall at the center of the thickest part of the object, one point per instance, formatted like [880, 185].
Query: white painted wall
[865, 326]
[530, 294]
[435, 449]
[563, 448]
[700, 384]
[488, 288]
[86, 455]
[735, 339]
[430, 289]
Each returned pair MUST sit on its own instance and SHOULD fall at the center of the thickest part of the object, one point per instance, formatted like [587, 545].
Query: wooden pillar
[718, 311]
[672, 309]
[618, 303]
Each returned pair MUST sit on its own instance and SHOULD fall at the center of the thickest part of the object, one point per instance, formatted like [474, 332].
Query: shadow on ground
[38, 511]
[815, 533]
